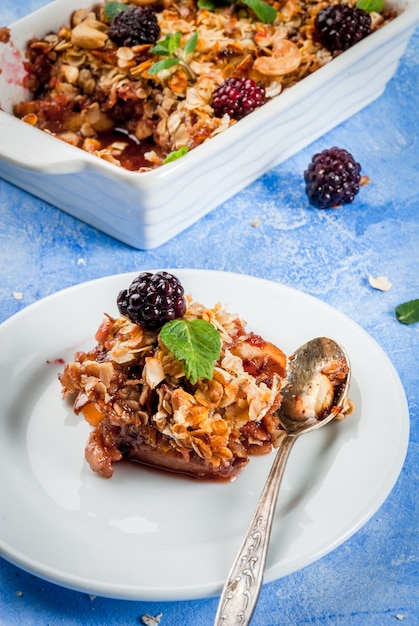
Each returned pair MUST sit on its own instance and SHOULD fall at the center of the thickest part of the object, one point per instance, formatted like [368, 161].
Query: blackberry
[338, 27]
[332, 178]
[238, 97]
[134, 26]
[152, 300]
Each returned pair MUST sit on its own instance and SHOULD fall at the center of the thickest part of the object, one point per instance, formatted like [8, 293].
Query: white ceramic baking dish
[145, 210]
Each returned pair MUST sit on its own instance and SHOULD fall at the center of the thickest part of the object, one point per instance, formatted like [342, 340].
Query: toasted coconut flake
[380, 282]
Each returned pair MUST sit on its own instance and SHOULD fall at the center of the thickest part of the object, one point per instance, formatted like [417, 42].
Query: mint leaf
[191, 44]
[111, 9]
[163, 65]
[195, 343]
[408, 312]
[370, 5]
[176, 154]
[174, 42]
[265, 12]
[206, 4]
[160, 49]
[168, 45]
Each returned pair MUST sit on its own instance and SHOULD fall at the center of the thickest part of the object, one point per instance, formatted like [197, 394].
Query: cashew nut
[88, 36]
[286, 57]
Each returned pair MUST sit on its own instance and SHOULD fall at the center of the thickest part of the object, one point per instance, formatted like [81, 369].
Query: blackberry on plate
[135, 26]
[238, 97]
[338, 27]
[152, 300]
[332, 178]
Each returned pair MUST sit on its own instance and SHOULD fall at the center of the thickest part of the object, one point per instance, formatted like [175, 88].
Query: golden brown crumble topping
[100, 97]
[134, 393]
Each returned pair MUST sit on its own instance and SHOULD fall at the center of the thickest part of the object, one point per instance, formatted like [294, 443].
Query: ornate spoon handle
[241, 590]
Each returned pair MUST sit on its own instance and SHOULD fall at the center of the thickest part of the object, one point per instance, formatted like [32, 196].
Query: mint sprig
[408, 312]
[170, 47]
[111, 9]
[209, 5]
[370, 5]
[195, 343]
[175, 155]
[264, 11]
[167, 46]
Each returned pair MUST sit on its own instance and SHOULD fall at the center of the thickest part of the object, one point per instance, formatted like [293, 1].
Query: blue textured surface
[268, 230]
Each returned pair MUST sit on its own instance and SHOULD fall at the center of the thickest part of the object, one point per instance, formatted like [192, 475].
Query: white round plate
[145, 535]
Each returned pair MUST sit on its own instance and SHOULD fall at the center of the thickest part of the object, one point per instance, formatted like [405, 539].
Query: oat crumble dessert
[138, 82]
[145, 405]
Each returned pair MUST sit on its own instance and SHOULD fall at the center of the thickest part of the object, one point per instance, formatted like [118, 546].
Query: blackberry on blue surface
[135, 26]
[338, 27]
[332, 178]
[152, 300]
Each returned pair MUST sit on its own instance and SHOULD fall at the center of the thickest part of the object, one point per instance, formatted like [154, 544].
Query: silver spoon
[315, 392]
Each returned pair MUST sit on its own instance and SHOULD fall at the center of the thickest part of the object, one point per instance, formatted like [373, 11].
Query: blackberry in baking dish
[338, 27]
[134, 26]
[237, 97]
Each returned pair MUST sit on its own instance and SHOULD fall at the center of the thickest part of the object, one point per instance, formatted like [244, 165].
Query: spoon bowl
[314, 393]
[316, 387]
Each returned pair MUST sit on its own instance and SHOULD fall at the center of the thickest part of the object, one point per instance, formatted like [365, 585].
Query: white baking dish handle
[32, 149]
